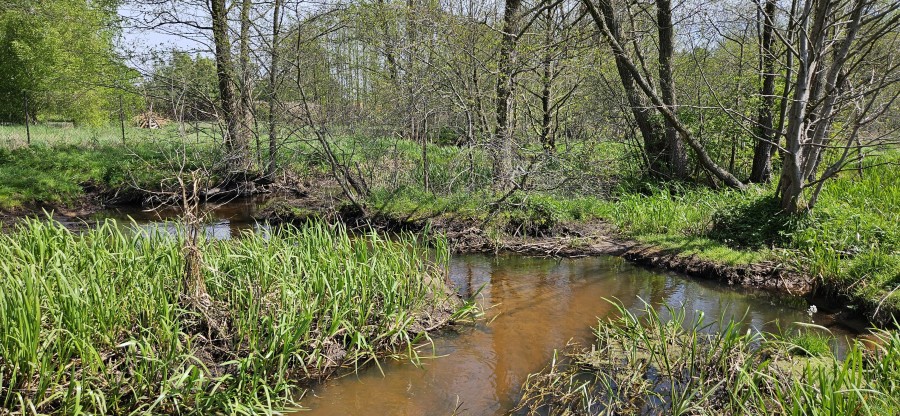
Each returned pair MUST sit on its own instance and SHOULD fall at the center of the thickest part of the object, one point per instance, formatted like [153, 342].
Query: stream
[533, 306]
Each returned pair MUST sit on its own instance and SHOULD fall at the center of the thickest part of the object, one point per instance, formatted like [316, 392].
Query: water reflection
[225, 221]
[535, 306]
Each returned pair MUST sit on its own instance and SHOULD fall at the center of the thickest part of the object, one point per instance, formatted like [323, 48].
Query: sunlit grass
[63, 166]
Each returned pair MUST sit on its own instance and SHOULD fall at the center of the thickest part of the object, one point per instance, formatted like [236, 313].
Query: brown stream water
[533, 306]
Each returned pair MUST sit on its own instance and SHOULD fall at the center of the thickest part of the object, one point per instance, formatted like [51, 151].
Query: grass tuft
[650, 365]
[92, 322]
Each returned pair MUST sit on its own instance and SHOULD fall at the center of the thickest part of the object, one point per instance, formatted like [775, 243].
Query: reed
[663, 363]
[92, 323]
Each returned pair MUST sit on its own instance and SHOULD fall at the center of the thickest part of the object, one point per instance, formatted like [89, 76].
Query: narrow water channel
[533, 306]
[227, 220]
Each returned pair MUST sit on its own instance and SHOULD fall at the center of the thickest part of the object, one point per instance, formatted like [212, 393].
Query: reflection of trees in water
[543, 307]
[543, 304]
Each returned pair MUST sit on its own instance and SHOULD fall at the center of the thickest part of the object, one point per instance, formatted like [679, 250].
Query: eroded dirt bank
[600, 238]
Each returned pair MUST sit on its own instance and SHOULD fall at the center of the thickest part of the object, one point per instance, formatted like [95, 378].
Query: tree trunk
[654, 144]
[426, 185]
[235, 142]
[677, 157]
[625, 63]
[761, 171]
[273, 88]
[246, 82]
[389, 54]
[790, 185]
[547, 140]
[808, 128]
[502, 147]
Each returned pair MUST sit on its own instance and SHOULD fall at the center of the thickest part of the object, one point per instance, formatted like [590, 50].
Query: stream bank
[534, 303]
[108, 321]
[320, 198]
[599, 238]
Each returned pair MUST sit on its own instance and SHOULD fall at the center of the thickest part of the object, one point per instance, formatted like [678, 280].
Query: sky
[140, 39]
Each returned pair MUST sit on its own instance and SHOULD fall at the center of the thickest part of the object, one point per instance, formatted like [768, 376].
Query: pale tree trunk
[805, 142]
[762, 153]
[831, 88]
[790, 186]
[503, 136]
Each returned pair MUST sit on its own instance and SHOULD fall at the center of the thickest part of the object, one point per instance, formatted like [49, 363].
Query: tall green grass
[92, 323]
[650, 365]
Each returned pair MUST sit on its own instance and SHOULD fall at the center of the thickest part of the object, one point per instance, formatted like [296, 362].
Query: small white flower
[812, 309]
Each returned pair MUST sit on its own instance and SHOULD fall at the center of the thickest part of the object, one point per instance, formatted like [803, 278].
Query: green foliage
[58, 54]
[184, 87]
[93, 322]
[809, 343]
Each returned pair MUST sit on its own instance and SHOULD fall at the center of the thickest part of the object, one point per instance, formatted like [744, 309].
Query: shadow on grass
[754, 224]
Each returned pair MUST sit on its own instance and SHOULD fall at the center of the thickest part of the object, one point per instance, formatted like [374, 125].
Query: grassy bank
[93, 323]
[850, 242]
[672, 365]
[64, 166]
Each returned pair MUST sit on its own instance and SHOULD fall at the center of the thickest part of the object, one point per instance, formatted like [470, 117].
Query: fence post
[122, 119]
[27, 127]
